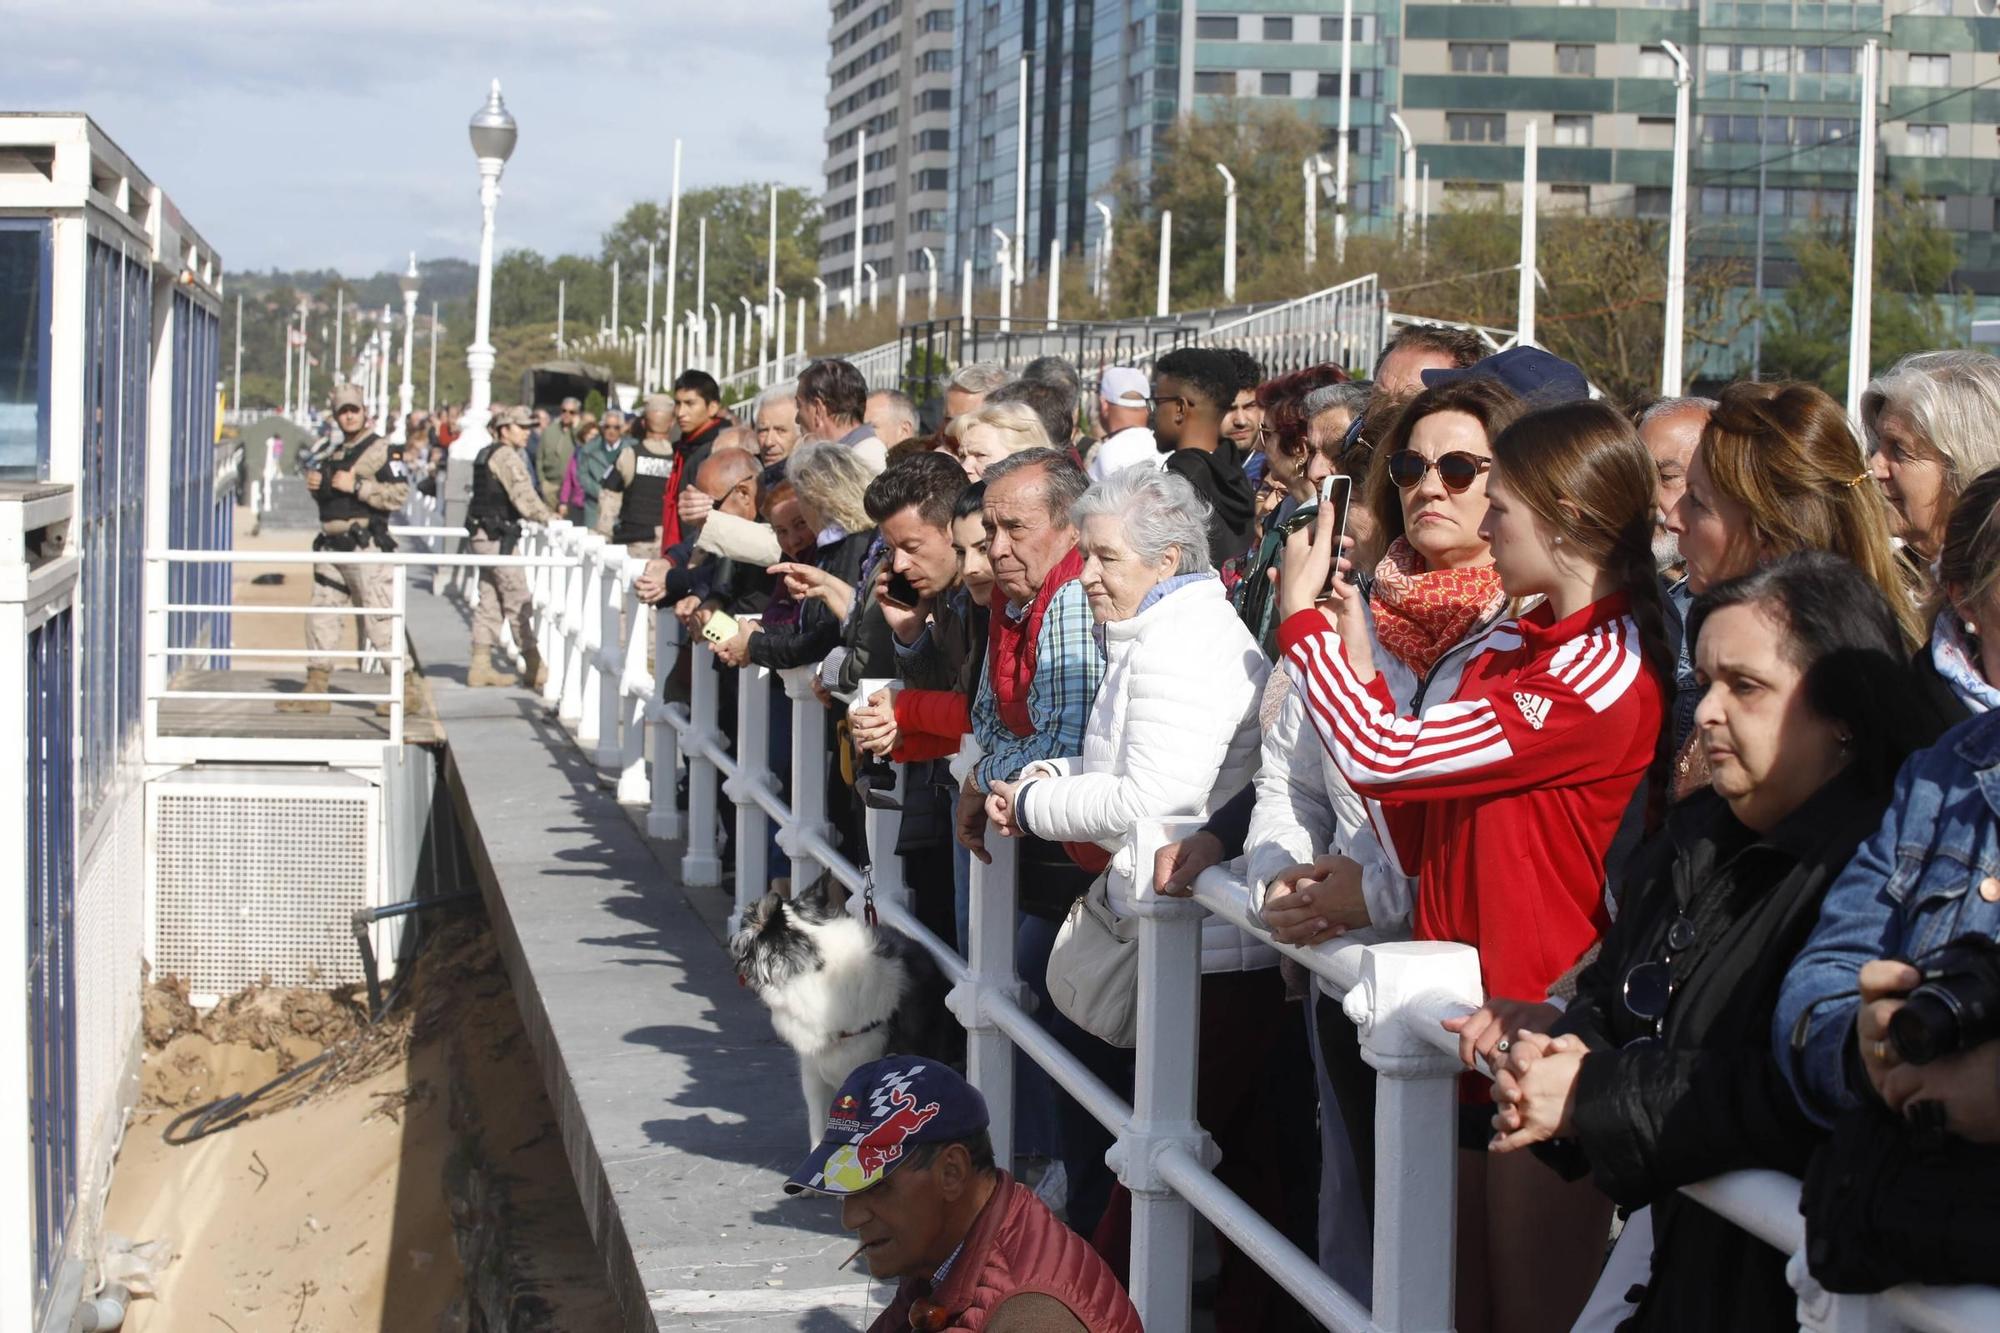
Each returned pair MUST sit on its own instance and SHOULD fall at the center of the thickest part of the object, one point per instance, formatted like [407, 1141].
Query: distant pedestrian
[558, 442]
[503, 493]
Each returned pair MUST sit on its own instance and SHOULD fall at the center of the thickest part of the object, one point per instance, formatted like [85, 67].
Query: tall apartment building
[889, 118]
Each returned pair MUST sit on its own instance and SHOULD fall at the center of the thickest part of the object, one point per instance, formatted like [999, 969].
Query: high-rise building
[888, 138]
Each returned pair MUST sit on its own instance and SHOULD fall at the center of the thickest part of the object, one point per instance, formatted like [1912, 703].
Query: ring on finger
[1879, 1049]
[1503, 1045]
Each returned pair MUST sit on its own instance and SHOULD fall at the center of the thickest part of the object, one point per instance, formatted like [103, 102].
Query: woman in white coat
[1172, 734]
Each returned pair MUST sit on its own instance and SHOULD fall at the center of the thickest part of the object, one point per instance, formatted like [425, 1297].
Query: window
[936, 62]
[1478, 57]
[1362, 31]
[1215, 82]
[983, 193]
[1927, 140]
[987, 144]
[1573, 131]
[1275, 83]
[1575, 198]
[1476, 126]
[929, 141]
[934, 99]
[935, 178]
[1362, 83]
[1834, 60]
[1652, 201]
[989, 104]
[24, 348]
[927, 219]
[1215, 29]
[1277, 29]
[938, 20]
[1930, 71]
[1655, 63]
[1576, 59]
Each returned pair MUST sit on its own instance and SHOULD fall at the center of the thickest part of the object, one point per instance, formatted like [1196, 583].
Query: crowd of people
[1676, 712]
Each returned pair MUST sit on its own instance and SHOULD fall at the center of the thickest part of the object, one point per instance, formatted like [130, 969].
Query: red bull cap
[885, 1109]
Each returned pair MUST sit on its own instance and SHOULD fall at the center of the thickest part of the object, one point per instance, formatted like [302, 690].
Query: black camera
[1955, 1007]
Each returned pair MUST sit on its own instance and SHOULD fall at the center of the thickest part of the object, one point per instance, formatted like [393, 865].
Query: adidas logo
[1533, 707]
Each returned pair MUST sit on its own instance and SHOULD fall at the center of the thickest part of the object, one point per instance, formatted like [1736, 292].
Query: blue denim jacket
[1911, 887]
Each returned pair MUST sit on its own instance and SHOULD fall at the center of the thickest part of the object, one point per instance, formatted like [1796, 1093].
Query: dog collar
[859, 1032]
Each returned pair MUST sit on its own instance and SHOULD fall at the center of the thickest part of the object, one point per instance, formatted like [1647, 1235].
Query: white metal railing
[1341, 324]
[1397, 992]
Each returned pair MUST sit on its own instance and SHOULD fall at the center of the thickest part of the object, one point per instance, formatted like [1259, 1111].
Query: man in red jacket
[907, 1154]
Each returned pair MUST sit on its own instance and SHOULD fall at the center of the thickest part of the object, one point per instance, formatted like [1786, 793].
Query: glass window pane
[24, 366]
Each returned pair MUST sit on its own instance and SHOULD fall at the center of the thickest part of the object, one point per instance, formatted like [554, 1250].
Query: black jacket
[1219, 479]
[817, 632]
[1707, 1098]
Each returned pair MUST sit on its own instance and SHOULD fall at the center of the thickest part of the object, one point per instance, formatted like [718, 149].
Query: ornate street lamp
[493, 133]
[406, 398]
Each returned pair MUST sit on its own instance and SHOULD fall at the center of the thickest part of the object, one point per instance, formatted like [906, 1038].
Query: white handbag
[1093, 974]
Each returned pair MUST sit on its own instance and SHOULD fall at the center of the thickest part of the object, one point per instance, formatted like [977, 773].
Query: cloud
[307, 133]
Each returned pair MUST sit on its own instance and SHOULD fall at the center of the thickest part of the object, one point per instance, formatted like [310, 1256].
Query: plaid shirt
[1068, 669]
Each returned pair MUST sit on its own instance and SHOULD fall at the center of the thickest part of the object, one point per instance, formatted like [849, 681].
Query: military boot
[531, 660]
[483, 673]
[413, 697]
[318, 681]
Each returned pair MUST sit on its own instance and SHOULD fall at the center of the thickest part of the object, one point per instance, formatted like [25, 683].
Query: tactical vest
[645, 495]
[490, 507]
[347, 506]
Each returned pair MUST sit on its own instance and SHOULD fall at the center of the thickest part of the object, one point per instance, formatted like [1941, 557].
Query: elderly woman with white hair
[993, 432]
[1173, 734]
[1930, 423]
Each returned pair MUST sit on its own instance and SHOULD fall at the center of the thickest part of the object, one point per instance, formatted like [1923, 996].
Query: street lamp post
[1676, 313]
[236, 393]
[819, 334]
[1228, 235]
[406, 398]
[1004, 247]
[1409, 175]
[493, 134]
[1166, 261]
[1103, 249]
[1757, 279]
[930, 263]
[1340, 148]
[1315, 171]
[1861, 312]
[431, 393]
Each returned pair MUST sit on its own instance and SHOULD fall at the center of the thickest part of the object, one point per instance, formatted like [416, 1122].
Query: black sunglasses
[1154, 403]
[1649, 987]
[1457, 469]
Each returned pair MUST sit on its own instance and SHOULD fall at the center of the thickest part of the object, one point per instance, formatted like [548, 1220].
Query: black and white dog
[842, 992]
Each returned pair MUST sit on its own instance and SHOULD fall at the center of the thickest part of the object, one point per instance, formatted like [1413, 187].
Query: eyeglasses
[1155, 403]
[1457, 469]
[1649, 987]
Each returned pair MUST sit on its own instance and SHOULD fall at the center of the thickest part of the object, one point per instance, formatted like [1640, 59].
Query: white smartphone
[1337, 490]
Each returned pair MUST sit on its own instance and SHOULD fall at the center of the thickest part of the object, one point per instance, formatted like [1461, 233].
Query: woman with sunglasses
[1294, 470]
[1658, 1073]
[1505, 792]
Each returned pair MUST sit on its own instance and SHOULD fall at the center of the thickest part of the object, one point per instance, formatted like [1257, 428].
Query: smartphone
[721, 627]
[899, 592]
[1337, 490]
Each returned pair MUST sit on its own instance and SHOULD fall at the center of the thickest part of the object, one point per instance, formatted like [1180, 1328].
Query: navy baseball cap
[1542, 378]
[886, 1107]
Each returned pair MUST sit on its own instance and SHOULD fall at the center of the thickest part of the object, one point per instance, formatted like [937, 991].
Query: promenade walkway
[679, 1108]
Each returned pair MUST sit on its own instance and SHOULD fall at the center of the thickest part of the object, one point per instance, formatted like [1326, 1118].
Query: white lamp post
[1003, 248]
[819, 334]
[1524, 332]
[874, 289]
[930, 263]
[1021, 171]
[493, 134]
[1166, 261]
[406, 399]
[1104, 249]
[431, 393]
[1409, 175]
[1861, 313]
[1228, 235]
[1677, 235]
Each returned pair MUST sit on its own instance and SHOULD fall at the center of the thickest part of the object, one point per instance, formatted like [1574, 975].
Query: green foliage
[738, 247]
[593, 403]
[1806, 334]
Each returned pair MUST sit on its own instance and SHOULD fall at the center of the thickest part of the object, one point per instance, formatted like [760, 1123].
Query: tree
[738, 246]
[1806, 336]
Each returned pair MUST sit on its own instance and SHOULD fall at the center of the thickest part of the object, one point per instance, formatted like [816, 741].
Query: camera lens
[1924, 1028]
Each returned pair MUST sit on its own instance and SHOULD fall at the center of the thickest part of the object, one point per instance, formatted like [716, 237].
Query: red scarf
[1420, 613]
[1011, 645]
[670, 511]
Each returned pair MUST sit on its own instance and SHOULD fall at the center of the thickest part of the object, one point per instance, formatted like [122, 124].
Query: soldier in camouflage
[503, 494]
[357, 484]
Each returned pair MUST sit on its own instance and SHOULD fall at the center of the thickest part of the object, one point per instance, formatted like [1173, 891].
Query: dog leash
[868, 895]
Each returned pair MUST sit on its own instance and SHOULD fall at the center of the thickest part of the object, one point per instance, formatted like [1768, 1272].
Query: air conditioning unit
[255, 873]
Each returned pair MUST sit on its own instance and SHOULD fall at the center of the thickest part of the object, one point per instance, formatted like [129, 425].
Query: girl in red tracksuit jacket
[1503, 800]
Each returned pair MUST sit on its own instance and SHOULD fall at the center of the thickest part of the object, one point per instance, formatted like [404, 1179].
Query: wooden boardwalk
[344, 721]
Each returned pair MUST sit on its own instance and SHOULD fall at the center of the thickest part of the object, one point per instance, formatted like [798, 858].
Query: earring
[1558, 541]
[1846, 739]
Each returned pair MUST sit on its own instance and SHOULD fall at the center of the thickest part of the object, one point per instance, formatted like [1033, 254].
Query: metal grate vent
[253, 883]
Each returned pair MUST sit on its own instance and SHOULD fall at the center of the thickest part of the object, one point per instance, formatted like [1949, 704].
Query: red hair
[1284, 402]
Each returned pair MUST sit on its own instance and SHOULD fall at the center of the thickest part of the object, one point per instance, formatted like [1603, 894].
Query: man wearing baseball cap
[907, 1154]
[1123, 411]
[357, 484]
[503, 493]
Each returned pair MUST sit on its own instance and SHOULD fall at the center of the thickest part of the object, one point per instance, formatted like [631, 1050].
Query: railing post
[399, 661]
[569, 703]
[808, 774]
[882, 829]
[1416, 1128]
[989, 1052]
[634, 694]
[609, 661]
[1163, 1106]
[549, 633]
[753, 738]
[700, 865]
[591, 632]
[664, 819]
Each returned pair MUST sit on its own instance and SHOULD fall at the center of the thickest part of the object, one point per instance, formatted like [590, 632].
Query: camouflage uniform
[503, 493]
[355, 521]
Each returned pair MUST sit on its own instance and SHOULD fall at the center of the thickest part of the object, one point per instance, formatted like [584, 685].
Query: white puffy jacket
[1306, 809]
[1172, 734]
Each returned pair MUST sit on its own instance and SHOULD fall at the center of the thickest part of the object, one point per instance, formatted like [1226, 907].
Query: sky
[312, 134]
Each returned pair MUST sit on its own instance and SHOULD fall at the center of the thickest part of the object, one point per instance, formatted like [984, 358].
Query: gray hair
[1063, 482]
[609, 413]
[831, 479]
[1016, 423]
[1666, 407]
[1952, 398]
[736, 437]
[1349, 395]
[771, 398]
[900, 406]
[981, 377]
[1157, 509]
[1056, 371]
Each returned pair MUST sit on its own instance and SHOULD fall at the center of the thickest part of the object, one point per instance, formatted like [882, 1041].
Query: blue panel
[51, 963]
[26, 275]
